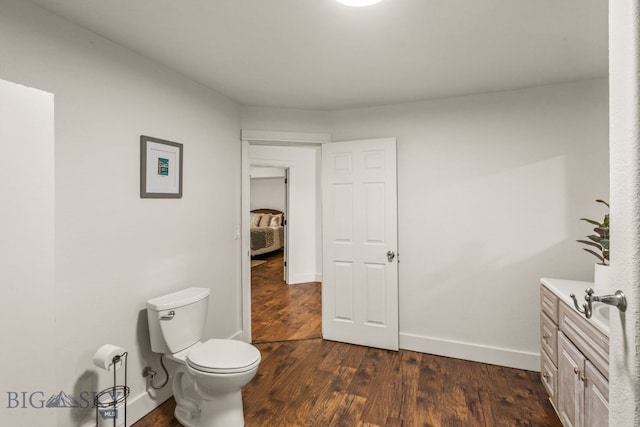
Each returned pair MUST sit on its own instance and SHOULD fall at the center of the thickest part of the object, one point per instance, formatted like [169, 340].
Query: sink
[600, 317]
[603, 311]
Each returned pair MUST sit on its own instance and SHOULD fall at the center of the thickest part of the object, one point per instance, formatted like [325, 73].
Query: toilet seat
[223, 356]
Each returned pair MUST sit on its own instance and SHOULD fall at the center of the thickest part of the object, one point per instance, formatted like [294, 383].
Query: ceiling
[319, 54]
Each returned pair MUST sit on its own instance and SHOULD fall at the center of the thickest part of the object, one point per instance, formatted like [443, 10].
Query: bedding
[267, 231]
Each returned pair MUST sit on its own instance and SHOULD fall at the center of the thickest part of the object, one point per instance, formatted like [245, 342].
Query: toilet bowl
[207, 384]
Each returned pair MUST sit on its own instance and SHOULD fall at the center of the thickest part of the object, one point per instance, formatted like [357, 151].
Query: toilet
[207, 384]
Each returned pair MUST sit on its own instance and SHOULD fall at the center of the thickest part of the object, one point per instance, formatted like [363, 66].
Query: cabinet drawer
[549, 304]
[549, 337]
[591, 342]
[549, 377]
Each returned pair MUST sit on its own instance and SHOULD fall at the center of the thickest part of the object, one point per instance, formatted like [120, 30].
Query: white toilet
[207, 384]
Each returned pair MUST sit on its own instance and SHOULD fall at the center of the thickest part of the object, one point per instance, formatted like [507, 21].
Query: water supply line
[148, 372]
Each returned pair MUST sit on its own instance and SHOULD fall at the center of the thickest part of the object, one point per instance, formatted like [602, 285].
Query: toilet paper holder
[112, 400]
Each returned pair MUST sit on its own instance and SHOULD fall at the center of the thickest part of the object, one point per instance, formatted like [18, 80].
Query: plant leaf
[586, 242]
[604, 243]
[600, 257]
[602, 231]
[603, 202]
[591, 221]
[594, 238]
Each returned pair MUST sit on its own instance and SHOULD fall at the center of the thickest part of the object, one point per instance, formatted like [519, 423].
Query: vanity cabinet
[574, 362]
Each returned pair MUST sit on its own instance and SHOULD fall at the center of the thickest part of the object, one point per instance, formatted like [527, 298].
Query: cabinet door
[571, 363]
[596, 398]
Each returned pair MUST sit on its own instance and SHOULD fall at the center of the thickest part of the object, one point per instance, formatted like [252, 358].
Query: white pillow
[264, 220]
[276, 220]
[255, 219]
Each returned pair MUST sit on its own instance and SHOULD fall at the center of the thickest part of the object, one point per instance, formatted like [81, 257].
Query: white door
[359, 221]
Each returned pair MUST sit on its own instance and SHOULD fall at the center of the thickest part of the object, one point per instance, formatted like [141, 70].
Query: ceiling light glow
[358, 3]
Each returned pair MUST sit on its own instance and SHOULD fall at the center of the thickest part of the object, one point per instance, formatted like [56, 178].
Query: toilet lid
[223, 356]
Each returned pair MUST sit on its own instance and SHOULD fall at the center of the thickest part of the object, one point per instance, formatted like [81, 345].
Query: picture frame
[160, 168]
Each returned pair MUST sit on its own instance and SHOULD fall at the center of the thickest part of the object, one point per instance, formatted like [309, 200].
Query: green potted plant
[598, 246]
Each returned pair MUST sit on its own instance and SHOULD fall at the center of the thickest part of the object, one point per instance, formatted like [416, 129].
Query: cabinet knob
[545, 337]
[545, 376]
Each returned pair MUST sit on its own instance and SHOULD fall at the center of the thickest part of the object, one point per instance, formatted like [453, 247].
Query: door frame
[259, 137]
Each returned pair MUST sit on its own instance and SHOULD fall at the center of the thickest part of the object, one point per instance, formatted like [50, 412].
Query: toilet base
[225, 410]
[222, 412]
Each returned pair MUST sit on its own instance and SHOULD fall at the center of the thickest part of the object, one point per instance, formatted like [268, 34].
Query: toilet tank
[176, 321]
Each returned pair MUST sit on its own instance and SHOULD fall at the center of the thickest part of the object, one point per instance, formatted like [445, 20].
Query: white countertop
[563, 288]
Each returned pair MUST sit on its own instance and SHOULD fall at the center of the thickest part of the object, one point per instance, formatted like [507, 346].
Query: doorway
[269, 206]
[303, 250]
[279, 312]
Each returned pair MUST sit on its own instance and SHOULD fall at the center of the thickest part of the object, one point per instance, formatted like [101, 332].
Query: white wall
[268, 193]
[490, 189]
[291, 120]
[268, 188]
[113, 249]
[26, 255]
[304, 262]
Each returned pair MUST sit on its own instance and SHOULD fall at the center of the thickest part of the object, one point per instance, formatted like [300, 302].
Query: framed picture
[160, 169]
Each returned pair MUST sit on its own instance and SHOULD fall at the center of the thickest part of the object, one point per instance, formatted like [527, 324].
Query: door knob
[390, 255]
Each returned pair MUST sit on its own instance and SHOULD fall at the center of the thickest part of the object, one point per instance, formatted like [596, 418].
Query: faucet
[617, 300]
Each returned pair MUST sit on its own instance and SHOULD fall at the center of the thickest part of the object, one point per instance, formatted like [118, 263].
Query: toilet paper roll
[105, 354]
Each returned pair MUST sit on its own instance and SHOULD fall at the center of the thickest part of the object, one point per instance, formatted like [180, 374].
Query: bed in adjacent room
[267, 231]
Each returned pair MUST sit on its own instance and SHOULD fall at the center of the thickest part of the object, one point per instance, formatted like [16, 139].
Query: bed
[267, 231]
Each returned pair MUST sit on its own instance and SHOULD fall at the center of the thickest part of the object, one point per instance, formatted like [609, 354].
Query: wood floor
[306, 381]
[280, 312]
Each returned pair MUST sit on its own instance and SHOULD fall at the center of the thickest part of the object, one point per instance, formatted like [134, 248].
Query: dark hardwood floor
[324, 383]
[280, 312]
[306, 381]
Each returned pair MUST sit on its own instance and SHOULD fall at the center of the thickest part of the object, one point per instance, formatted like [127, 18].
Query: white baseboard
[473, 352]
[305, 278]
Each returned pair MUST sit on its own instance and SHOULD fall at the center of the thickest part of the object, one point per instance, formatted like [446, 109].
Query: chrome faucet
[617, 300]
